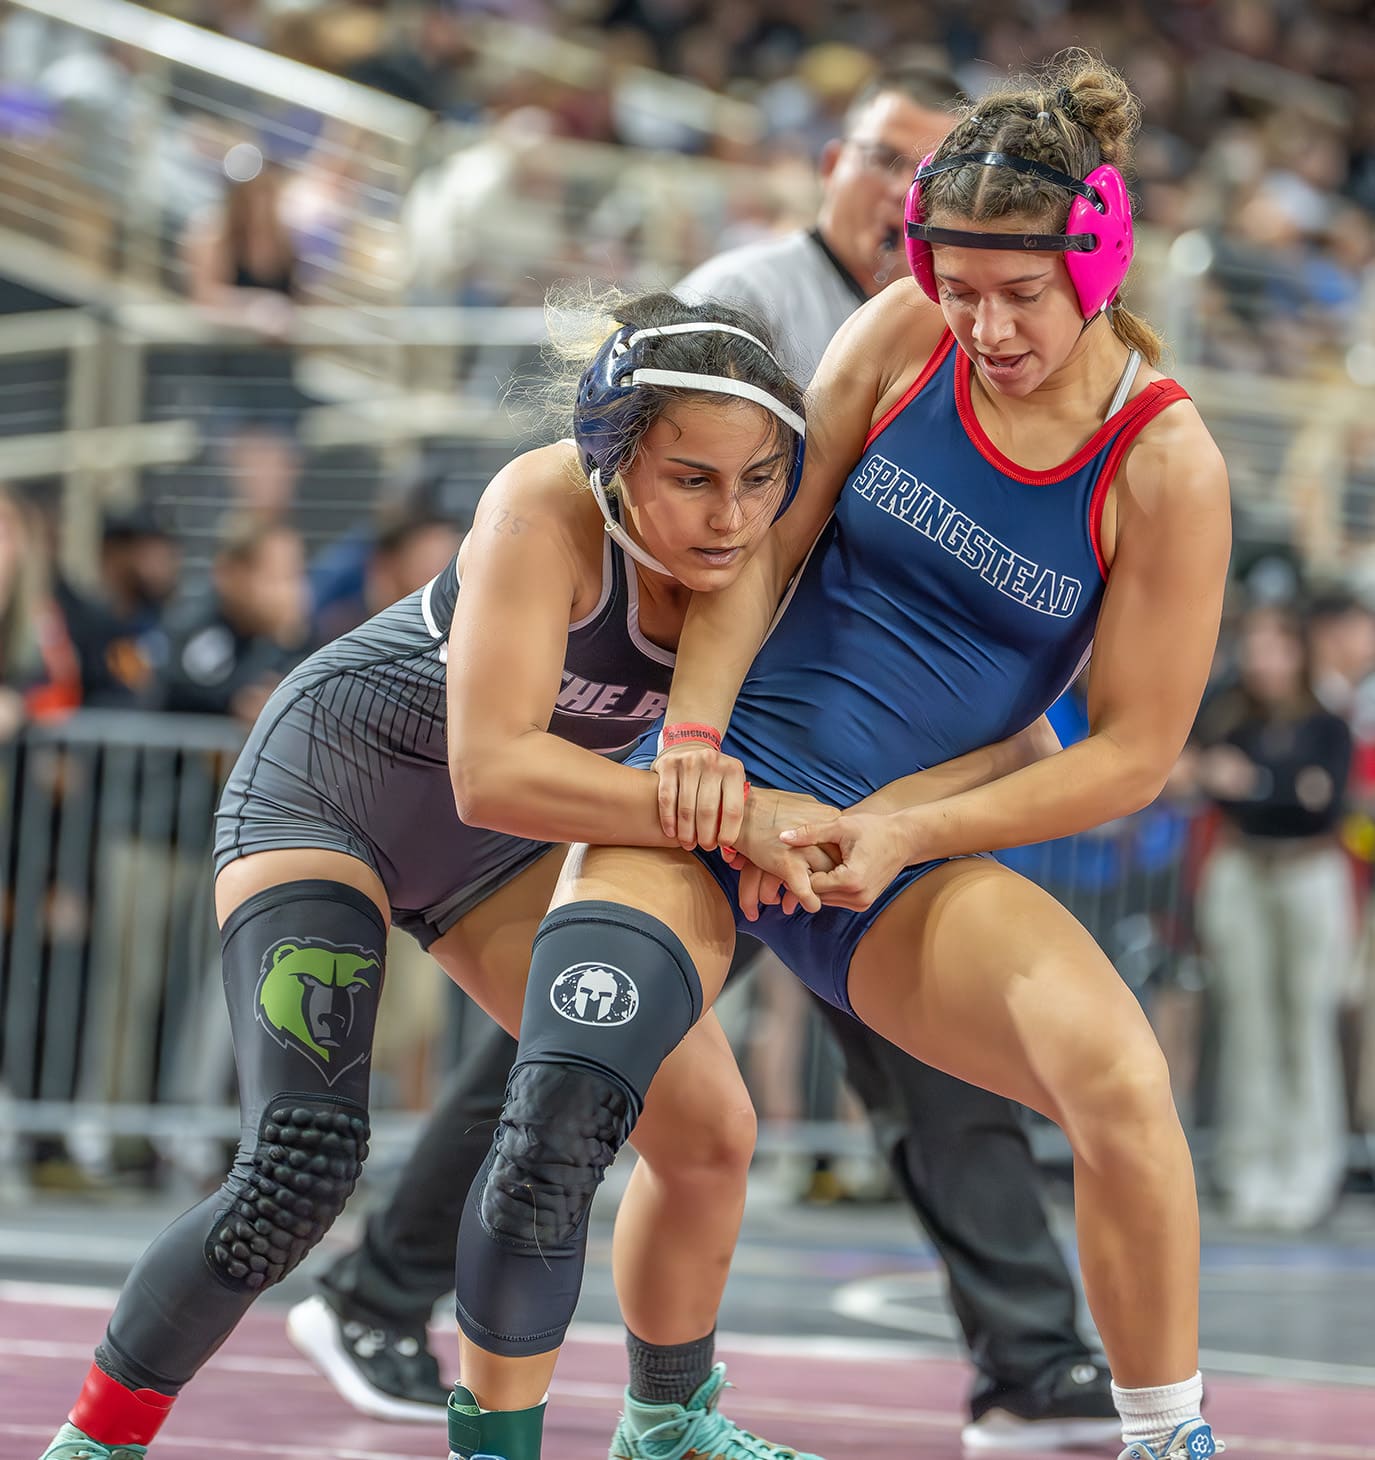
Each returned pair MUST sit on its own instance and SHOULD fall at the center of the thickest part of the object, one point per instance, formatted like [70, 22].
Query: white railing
[152, 399]
[130, 117]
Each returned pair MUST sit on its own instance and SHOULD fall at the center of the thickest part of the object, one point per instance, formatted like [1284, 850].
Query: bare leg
[1009, 992]
[680, 1216]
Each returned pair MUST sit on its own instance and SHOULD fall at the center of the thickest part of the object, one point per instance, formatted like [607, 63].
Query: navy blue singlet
[947, 603]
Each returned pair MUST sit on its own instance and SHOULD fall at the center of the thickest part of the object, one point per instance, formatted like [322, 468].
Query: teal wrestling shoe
[696, 1430]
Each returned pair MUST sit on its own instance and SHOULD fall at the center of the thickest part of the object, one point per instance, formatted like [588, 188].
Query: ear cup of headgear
[1097, 274]
[794, 476]
[598, 427]
[918, 250]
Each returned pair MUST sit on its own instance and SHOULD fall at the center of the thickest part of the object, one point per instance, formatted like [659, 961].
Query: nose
[726, 511]
[992, 324]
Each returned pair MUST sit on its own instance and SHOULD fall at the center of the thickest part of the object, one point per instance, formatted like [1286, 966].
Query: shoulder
[543, 486]
[887, 341]
[537, 505]
[1176, 462]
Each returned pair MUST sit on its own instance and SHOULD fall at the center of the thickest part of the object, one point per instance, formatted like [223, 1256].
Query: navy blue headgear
[603, 416]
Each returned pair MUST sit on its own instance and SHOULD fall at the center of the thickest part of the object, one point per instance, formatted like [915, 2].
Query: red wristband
[683, 732]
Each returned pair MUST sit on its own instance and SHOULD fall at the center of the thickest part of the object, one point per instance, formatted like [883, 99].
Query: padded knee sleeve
[612, 991]
[303, 967]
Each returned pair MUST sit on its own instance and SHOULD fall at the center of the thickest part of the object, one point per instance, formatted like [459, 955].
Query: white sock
[1151, 1416]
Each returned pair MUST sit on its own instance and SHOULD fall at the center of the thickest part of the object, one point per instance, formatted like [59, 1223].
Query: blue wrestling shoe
[1193, 1440]
[694, 1429]
[70, 1444]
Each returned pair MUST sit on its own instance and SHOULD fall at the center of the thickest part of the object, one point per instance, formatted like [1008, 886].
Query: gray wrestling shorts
[349, 756]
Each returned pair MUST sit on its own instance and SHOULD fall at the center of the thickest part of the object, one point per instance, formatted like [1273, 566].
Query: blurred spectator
[418, 56]
[1276, 925]
[809, 282]
[118, 631]
[230, 649]
[413, 536]
[244, 271]
[39, 672]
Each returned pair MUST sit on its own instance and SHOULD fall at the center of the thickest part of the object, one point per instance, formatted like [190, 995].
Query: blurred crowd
[1258, 149]
[144, 636]
[1240, 906]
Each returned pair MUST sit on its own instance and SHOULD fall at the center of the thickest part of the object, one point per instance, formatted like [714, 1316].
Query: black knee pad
[305, 1165]
[560, 1129]
[303, 970]
[612, 991]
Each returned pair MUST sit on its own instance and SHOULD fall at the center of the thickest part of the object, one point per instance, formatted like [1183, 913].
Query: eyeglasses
[880, 157]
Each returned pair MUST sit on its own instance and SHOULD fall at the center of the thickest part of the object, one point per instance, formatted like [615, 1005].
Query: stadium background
[411, 179]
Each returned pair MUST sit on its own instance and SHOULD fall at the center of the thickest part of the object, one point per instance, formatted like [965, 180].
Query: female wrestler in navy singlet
[998, 480]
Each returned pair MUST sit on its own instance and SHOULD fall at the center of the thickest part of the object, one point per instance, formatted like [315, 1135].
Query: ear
[830, 155]
[287, 950]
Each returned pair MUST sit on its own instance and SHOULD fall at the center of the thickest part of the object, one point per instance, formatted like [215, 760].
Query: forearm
[965, 772]
[1080, 787]
[544, 788]
[720, 638]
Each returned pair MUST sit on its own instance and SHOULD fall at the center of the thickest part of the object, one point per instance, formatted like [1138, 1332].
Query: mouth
[717, 557]
[1002, 367]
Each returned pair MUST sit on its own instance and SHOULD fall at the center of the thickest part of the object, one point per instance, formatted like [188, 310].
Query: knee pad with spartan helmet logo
[611, 989]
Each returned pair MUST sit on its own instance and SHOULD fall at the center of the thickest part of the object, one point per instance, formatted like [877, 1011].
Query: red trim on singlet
[1156, 396]
[1009, 468]
[947, 340]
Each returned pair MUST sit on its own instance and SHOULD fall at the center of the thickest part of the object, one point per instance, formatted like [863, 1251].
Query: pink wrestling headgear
[1096, 243]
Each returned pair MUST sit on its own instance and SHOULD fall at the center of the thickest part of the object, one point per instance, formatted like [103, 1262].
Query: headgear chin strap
[1097, 242]
[602, 416]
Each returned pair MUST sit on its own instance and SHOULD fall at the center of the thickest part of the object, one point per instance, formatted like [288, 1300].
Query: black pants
[959, 1153]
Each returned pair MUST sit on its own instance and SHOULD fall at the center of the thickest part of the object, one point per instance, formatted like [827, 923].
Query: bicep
[884, 341]
[510, 631]
[1157, 627]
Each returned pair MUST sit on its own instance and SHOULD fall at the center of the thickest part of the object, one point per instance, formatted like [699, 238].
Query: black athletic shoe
[1073, 1409]
[382, 1372]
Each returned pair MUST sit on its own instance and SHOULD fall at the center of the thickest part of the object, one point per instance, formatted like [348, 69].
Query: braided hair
[1073, 115]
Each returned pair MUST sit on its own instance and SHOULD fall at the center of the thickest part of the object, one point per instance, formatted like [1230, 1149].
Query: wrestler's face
[704, 486]
[1015, 313]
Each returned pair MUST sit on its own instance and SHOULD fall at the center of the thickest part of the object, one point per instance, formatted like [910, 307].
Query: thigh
[487, 952]
[256, 872]
[668, 884]
[980, 973]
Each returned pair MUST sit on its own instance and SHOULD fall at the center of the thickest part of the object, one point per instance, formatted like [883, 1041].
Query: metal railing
[117, 137]
[158, 402]
[112, 1023]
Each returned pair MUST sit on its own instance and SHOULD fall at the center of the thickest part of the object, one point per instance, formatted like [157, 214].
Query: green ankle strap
[512, 1434]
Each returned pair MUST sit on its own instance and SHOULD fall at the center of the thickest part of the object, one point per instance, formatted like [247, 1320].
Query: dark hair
[1073, 114]
[928, 84]
[703, 352]
[243, 535]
